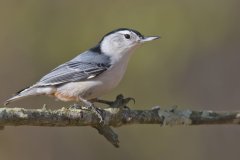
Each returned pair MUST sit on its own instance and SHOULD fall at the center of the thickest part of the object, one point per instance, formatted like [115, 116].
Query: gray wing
[85, 66]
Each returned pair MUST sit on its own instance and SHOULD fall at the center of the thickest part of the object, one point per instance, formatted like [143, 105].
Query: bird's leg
[75, 106]
[89, 106]
[102, 101]
[120, 101]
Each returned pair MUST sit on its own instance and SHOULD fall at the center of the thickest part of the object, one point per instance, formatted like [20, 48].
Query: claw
[120, 96]
[89, 107]
[75, 106]
[129, 99]
[96, 111]
[124, 101]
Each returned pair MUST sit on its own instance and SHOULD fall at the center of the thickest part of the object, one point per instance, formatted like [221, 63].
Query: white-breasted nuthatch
[92, 73]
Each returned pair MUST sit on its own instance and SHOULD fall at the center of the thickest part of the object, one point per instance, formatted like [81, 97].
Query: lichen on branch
[114, 117]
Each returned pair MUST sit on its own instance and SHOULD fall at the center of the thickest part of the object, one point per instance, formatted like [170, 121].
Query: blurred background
[195, 65]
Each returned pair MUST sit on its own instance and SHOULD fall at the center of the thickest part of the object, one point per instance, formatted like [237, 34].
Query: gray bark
[114, 117]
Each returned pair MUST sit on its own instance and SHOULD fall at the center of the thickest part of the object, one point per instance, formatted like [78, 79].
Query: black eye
[127, 36]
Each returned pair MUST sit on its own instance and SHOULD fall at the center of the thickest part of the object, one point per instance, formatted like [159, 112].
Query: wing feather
[73, 71]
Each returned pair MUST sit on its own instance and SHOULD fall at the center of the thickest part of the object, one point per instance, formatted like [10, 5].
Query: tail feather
[30, 91]
[14, 98]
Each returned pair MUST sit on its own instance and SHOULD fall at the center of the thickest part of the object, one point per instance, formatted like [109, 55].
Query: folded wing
[73, 71]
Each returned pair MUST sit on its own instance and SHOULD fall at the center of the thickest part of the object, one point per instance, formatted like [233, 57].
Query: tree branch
[115, 117]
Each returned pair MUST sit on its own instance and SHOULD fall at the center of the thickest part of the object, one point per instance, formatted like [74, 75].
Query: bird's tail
[30, 91]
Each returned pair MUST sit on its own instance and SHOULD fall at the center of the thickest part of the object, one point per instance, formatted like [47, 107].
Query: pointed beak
[150, 38]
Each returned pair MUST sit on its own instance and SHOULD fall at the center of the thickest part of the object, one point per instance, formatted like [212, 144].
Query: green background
[194, 65]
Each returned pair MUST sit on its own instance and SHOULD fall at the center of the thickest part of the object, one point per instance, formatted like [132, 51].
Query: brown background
[195, 65]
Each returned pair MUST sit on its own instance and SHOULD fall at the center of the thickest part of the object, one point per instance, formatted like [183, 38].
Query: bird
[92, 73]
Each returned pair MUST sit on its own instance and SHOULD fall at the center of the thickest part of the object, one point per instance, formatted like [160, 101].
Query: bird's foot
[75, 106]
[89, 107]
[120, 102]
[96, 111]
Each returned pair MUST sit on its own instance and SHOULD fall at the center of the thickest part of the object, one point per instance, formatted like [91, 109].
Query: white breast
[100, 85]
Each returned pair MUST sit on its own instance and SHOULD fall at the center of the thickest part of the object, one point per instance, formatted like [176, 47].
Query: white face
[121, 42]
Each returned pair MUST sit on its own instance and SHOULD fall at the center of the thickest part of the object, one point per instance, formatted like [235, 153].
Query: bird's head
[122, 41]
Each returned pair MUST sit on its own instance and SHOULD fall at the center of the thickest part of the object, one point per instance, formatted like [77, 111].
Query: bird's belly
[92, 88]
[71, 91]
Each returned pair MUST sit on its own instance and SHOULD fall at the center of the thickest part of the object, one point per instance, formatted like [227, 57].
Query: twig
[115, 117]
